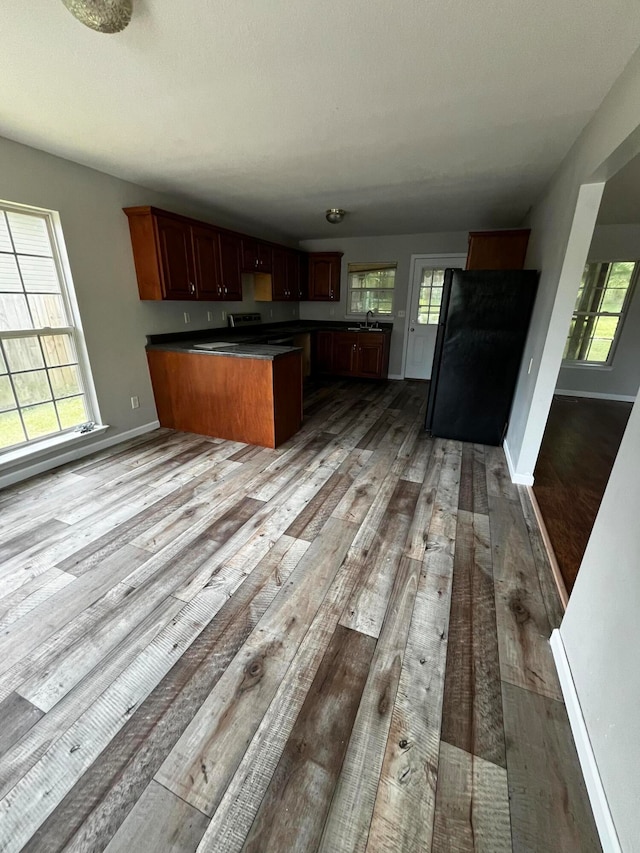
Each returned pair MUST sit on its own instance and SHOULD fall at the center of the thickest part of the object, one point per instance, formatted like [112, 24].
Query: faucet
[366, 320]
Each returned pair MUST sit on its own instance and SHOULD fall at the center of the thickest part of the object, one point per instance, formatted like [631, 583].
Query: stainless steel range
[239, 321]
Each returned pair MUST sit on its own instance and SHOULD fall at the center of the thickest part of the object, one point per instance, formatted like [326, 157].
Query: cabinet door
[176, 259]
[206, 257]
[323, 352]
[264, 257]
[497, 250]
[303, 273]
[230, 261]
[324, 278]
[370, 355]
[280, 290]
[345, 353]
[250, 260]
[294, 285]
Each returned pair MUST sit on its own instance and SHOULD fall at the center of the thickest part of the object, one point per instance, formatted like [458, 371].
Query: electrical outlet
[402, 313]
[135, 403]
[209, 316]
[271, 313]
[332, 311]
[224, 316]
[187, 318]
[293, 311]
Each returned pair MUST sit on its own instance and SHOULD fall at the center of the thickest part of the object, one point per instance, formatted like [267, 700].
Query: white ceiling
[414, 115]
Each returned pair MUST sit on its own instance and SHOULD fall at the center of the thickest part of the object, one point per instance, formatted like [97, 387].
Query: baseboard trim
[394, 376]
[551, 554]
[85, 449]
[595, 789]
[518, 479]
[596, 395]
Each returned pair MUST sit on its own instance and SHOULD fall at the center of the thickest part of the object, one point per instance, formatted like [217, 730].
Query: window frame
[622, 315]
[374, 265]
[75, 331]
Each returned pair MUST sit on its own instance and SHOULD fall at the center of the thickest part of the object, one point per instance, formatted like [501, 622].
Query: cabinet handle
[192, 287]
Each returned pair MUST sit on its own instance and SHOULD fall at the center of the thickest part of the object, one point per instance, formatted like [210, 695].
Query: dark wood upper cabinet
[256, 255]
[176, 259]
[264, 257]
[230, 266]
[324, 276]
[298, 271]
[284, 282]
[294, 286]
[180, 258]
[206, 256]
[250, 261]
[280, 290]
[497, 250]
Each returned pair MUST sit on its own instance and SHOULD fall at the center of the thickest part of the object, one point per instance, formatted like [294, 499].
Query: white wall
[97, 239]
[601, 628]
[601, 635]
[397, 248]
[559, 246]
[622, 379]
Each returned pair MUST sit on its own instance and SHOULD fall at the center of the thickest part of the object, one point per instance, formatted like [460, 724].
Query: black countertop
[249, 341]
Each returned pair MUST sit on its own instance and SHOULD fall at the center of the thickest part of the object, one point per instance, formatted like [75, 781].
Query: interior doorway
[598, 379]
[423, 310]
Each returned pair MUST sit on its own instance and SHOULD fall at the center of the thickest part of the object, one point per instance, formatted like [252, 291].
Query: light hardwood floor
[340, 645]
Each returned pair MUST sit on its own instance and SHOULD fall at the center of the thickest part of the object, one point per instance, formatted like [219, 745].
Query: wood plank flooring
[340, 645]
[579, 447]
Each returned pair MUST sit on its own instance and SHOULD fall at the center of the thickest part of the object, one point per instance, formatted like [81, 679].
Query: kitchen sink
[364, 329]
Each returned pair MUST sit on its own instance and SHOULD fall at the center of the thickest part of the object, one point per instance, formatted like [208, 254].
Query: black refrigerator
[484, 320]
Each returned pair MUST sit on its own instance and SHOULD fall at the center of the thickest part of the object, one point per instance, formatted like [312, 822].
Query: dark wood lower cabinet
[371, 354]
[345, 354]
[361, 354]
[322, 361]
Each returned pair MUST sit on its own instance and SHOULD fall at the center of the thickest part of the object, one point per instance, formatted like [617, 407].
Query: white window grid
[622, 314]
[357, 269]
[72, 329]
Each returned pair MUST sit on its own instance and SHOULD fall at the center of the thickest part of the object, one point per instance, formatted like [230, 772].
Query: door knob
[412, 329]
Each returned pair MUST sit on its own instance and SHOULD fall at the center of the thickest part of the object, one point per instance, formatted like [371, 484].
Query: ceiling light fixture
[105, 16]
[335, 215]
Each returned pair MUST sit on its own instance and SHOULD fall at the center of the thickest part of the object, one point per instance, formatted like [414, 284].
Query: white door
[423, 310]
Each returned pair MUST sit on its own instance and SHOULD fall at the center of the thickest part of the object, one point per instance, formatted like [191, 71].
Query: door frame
[416, 259]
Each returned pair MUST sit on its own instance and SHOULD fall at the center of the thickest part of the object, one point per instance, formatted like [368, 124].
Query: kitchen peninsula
[239, 391]
[244, 383]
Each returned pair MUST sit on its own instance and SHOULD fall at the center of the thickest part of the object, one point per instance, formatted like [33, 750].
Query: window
[43, 387]
[430, 297]
[600, 309]
[371, 288]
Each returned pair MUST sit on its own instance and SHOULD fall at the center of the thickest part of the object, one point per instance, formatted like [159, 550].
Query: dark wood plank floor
[340, 645]
[580, 445]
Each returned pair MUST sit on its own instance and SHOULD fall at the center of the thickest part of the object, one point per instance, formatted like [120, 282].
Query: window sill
[586, 365]
[47, 445]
